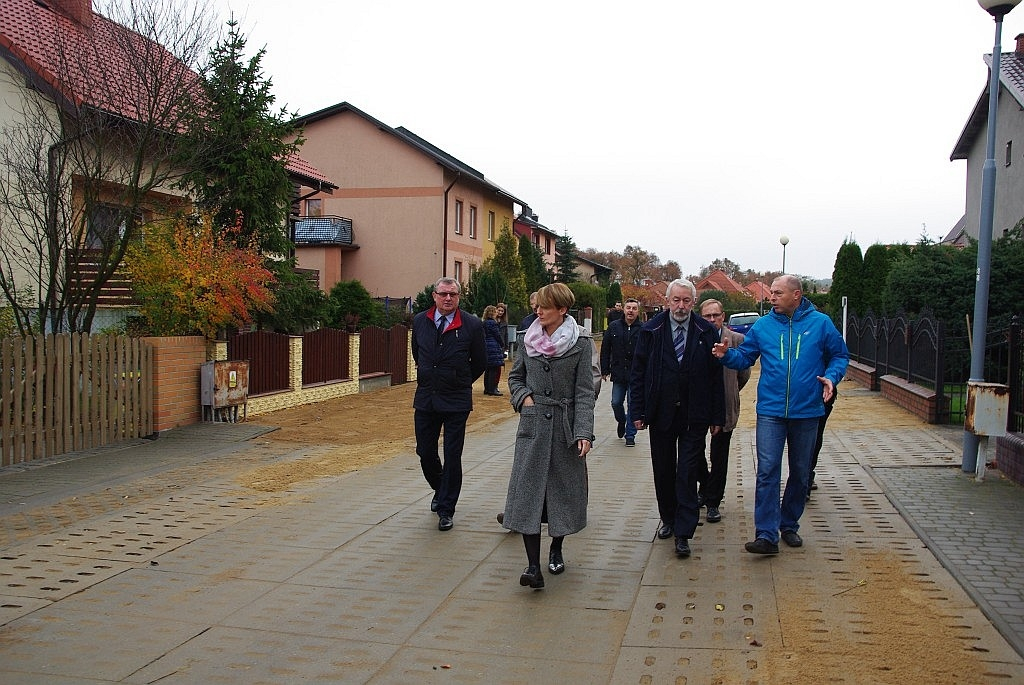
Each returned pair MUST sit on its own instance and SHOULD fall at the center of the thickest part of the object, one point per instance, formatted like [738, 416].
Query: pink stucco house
[406, 212]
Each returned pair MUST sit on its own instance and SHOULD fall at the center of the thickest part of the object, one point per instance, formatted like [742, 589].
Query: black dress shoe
[714, 515]
[791, 538]
[665, 532]
[761, 546]
[682, 547]
[433, 502]
[620, 430]
[555, 563]
[445, 523]
[532, 577]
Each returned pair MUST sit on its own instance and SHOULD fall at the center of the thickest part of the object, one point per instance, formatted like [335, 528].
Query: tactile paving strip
[879, 448]
[30, 572]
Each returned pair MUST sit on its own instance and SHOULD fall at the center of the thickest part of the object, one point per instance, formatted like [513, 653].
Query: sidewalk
[148, 563]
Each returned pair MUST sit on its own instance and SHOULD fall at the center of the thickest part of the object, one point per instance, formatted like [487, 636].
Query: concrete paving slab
[229, 656]
[28, 571]
[58, 641]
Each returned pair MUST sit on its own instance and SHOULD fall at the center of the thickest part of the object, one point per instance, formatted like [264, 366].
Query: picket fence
[70, 392]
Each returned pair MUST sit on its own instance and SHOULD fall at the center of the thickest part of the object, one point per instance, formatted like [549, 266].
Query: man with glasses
[450, 354]
[675, 388]
[712, 482]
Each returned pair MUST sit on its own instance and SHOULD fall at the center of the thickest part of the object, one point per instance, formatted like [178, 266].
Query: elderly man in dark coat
[676, 389]
[450, 354]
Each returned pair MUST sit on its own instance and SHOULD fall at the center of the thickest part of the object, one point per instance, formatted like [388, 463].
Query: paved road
[148, 563]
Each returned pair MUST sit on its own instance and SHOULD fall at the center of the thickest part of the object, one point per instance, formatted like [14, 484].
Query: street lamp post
[784, 240]
[998, 9]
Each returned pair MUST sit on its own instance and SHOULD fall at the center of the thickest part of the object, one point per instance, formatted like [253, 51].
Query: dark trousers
[821, 437]
[677, 455]
[445, 478]
[712, 482]
[492, 374]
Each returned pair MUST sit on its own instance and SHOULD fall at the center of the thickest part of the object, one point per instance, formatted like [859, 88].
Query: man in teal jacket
[803, 358]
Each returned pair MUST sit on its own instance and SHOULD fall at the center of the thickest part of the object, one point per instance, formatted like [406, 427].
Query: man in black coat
[450, 354]
[676, 389]
[616, 357]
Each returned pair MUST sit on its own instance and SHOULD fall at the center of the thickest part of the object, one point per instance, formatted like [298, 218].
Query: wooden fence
[69, 392]
[384, 350]
[324, 356]
[267, 354]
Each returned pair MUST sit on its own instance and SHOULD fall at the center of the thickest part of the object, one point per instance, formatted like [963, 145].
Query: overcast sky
[696, 130]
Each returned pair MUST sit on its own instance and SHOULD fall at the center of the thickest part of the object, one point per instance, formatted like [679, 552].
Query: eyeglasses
[441, 294]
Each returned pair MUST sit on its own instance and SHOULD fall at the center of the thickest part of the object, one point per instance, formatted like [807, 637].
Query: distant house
[759, 291]
[719, 280]
[407, 211]
[1009, 151]
[590, 271]
[527, 224]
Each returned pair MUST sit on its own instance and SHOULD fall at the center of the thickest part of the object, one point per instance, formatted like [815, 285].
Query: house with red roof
[718, 280]
[76, 96]
[413, 211]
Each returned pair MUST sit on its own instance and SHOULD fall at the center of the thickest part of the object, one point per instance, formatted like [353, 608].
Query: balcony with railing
[322, 230]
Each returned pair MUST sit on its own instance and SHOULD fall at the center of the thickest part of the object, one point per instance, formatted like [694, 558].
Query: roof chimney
[80, 11]
[1020, 44]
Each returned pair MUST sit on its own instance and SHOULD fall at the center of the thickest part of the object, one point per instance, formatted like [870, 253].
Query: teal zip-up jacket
[793, 352]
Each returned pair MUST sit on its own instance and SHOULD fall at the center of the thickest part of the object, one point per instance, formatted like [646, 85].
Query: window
[107, 224]
[458, 218]
[1009, 152]
[315, 207]
[472, 272]
[472, 221]
[547, 245]
[490, 226]
[458, 272]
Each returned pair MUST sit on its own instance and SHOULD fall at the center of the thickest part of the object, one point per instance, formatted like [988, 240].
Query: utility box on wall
[224, 387]
[988, 407]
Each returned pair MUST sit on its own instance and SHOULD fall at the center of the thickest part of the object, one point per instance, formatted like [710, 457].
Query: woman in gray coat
[551, 385]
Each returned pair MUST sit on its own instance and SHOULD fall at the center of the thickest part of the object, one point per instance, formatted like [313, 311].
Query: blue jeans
[773, 434]
[619, 393]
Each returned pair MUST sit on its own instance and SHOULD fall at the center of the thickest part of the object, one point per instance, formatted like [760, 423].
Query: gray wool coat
[547, 468]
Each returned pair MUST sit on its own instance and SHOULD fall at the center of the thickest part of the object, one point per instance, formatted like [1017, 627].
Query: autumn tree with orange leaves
[191, 281]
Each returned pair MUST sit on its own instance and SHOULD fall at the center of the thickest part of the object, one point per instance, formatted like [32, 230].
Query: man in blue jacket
[676, 389]
[450, 354]
[803, 358]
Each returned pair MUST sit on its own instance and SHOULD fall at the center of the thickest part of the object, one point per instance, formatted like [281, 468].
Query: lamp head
[998, 8]
[785, 239]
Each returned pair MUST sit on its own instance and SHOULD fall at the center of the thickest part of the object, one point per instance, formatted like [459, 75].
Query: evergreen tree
[877, 263]
[934, 275]
[535, 271]
[614, 294]
[350, 307]
[506, 262]
[847, 278]
[299, 304]
[236, 149]
[487, 286]
[566, 255]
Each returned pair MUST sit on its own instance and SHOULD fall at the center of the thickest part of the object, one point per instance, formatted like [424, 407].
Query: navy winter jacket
[446, 369]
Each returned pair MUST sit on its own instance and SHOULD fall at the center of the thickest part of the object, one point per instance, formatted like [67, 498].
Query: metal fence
[920, 351]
